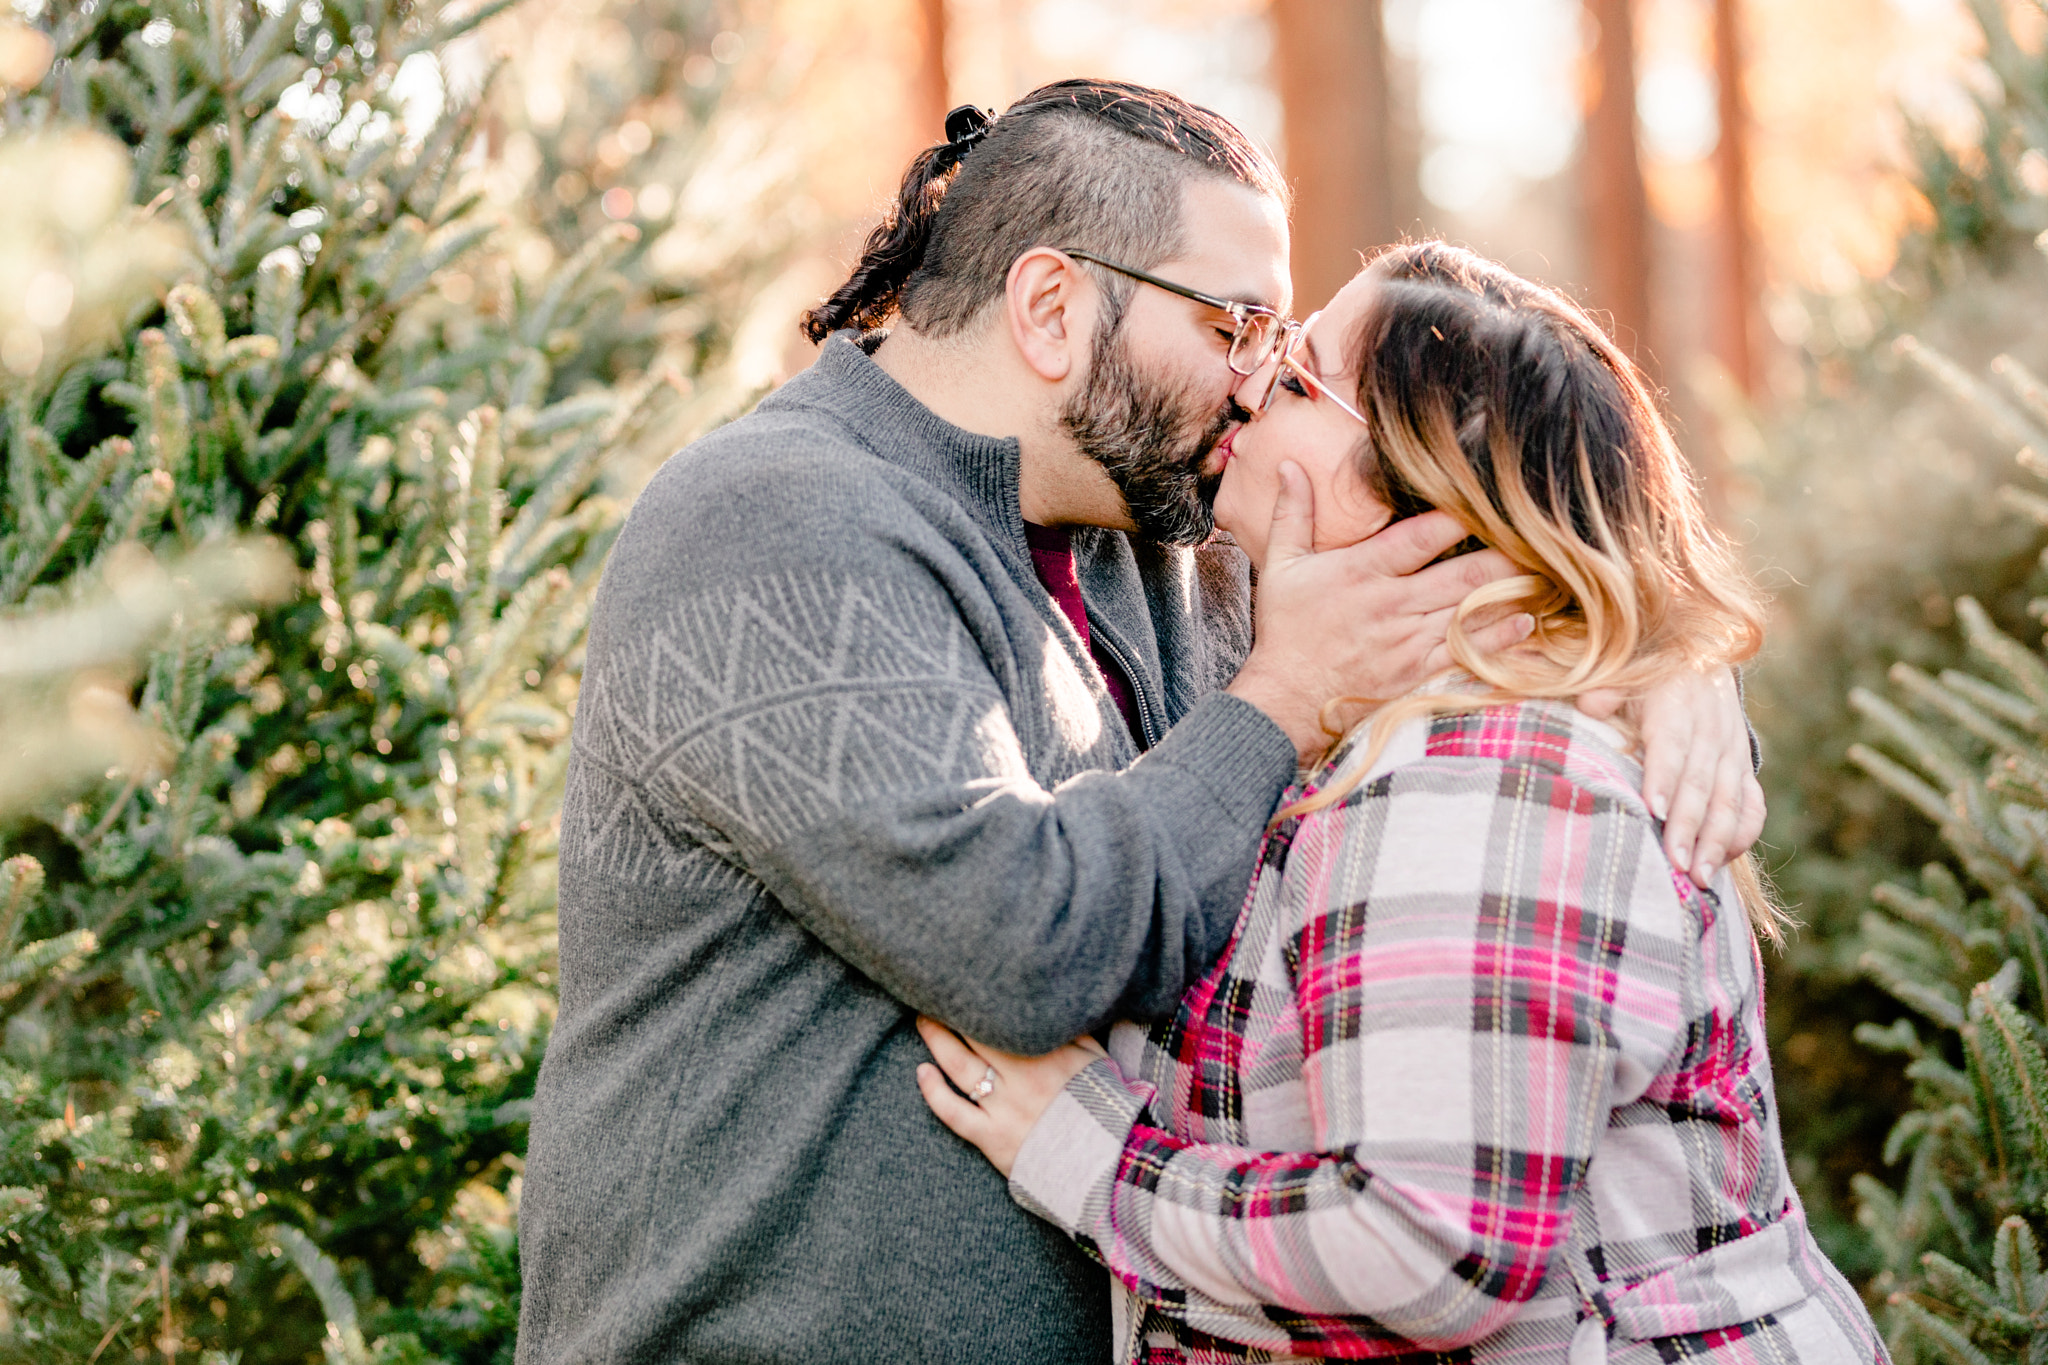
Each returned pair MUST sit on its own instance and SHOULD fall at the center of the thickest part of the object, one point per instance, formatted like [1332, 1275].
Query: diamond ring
[986, 1086]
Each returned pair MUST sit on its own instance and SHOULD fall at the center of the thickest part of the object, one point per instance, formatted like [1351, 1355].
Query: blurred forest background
[336, 336]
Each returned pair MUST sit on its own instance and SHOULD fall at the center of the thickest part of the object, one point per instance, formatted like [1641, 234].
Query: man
[905, 694]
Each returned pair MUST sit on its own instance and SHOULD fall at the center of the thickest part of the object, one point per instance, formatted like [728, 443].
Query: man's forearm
[1026, 917]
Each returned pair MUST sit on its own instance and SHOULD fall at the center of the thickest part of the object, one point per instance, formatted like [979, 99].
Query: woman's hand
[1010, 1092]
[1698, 775]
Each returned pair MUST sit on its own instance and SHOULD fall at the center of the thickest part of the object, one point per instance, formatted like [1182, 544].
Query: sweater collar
[981, 472]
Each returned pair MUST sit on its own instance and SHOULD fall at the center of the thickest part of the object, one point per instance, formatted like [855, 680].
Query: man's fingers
[1490, 614]
[1505, 633]
[1688, 801]
[1451, 582]
[1294, 518]
[1404, 546]
[1695, 768]
[1667, 753]
[1434, 631]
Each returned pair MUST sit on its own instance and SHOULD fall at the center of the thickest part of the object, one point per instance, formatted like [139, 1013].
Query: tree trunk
[1617, 210]
[1330, 62]
[932, 95]
[1735, 298]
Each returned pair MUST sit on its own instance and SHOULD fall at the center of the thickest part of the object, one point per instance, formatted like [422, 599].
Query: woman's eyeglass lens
[1280, 355]
[1277, 350]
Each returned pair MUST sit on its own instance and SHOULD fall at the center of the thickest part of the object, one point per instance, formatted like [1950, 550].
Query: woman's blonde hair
[1500, 402]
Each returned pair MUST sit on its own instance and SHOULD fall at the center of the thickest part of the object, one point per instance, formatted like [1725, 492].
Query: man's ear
[1050, 306]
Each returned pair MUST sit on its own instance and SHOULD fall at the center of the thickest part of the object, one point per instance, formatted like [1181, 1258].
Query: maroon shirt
[1052, 556]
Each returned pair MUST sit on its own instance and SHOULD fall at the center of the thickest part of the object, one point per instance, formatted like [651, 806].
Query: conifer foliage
[1880, 504]
[1981, 193]
[1966, 949]
[1968, 749]
[275, 984]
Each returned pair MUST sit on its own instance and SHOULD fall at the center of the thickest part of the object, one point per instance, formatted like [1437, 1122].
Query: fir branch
[2013, 709]
[1958, 708]
[344, 1344]
[2032, 393]
[2016, 1262]
[1951, 927]
[2017, 1069]
[1947, 1338]
[1904, 781]
[1986, 404]
[2019, 664]
[2024, 921]
[36, 555]
[1932, 754]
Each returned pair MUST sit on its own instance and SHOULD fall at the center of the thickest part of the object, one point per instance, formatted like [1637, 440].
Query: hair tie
[966, 126]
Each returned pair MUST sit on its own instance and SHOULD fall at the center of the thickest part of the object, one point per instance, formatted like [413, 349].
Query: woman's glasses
[1261, 336]
[1283, 360]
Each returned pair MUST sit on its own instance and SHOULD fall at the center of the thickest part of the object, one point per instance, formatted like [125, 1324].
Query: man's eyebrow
[1253, 299]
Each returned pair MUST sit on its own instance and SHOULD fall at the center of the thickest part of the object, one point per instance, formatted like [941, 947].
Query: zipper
[1115, 652]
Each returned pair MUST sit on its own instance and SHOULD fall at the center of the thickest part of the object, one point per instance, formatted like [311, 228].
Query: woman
[1481, 1076]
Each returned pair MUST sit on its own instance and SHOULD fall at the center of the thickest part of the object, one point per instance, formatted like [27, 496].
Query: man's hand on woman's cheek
[1367, 621]
[1699, 776]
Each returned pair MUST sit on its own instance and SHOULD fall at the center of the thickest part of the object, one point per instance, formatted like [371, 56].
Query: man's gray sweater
[839, 759]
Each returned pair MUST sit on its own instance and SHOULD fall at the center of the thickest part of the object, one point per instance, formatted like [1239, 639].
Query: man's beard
[1151, 438]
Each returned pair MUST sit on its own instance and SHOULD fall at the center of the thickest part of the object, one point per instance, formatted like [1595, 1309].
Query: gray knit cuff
[1239, 760]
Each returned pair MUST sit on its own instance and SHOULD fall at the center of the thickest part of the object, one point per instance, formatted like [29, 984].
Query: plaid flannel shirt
[1480, 1077]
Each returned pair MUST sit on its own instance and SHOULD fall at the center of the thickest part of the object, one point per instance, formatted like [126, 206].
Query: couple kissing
[1107, 823]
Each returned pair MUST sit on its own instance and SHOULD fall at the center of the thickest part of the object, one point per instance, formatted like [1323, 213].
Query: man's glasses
[1258, 327]
[1261, 336]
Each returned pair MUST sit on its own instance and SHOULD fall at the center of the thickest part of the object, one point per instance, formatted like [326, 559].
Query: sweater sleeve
[1462, 968]
[792, 665]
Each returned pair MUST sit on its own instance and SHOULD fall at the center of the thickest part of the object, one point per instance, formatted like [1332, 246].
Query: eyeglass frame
[1280, 355]
[1291, 334]
[1241, 313]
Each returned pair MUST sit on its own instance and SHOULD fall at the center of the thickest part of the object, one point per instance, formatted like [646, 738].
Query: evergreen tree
[1967, 747]
[274, 986]
[1880, 507]
[1969, 750]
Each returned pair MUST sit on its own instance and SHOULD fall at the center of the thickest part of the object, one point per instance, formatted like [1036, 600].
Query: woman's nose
[1252, 392]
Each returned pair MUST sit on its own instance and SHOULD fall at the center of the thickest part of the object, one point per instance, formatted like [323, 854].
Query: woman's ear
[1050, 306]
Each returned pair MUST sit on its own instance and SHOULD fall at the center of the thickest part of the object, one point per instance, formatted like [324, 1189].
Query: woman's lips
[1226, 447]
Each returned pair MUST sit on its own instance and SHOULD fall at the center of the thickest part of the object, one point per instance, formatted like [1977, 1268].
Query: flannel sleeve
[1463, 942]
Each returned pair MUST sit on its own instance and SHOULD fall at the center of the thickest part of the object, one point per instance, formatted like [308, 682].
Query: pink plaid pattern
[1478, 1066]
